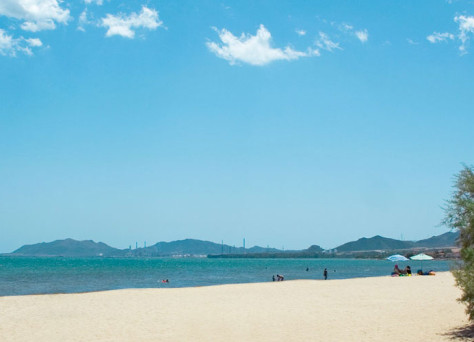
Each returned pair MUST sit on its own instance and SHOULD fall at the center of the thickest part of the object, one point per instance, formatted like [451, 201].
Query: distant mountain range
[89, 248]
[381, 243]
[443, 240]
[70, 248]
[192, 247]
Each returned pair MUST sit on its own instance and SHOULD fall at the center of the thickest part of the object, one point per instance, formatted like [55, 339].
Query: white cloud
[9, 46]
[36, 42]
[346, 27]
[37, 14]
[97, 2]
[466, 27]
[300, 32]
[83, 21]
[83, 17]
[35, 26]
[437, 37]
[122, 25]
[362, 35]
[412, 42]
[254, 50]
[325, 43]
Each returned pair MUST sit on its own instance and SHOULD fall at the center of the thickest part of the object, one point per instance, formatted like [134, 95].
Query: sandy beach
[367, 309]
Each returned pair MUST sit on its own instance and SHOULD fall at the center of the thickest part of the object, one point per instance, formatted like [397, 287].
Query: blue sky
[311, 122]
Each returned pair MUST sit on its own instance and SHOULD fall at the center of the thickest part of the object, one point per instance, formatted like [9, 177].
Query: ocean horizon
[49, 275]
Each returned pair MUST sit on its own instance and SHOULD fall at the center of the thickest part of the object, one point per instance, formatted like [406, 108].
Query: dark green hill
[68, 248]
[444, 240]
[382, 243]
[375, 243]
[196, 247]
[187, 247]
[183, 247]
[314, 249]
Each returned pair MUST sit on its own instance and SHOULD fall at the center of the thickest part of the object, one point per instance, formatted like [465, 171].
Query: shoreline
[211, 285]
[370, 309]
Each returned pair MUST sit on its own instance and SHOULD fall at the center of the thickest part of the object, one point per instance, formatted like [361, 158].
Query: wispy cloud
[347, 29]
[35, 42]
[466, 27]
[362, 35]
[124, 25]
[301, 32]
[412, 42]
[438, 37]
[83, 21]
[466, 30]
[254, 50]
[97, 2]
[326, 44]
[7, 44]
[10, 46]
[37, 15]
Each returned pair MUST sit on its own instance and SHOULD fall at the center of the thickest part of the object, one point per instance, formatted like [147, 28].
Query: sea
[25, 275]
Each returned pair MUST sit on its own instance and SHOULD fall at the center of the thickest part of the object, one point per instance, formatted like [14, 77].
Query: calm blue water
[19, 275]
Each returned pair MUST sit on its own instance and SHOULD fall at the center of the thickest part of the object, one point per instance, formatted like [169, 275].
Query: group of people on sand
[407, 272]
[430, 272]
[398, 272]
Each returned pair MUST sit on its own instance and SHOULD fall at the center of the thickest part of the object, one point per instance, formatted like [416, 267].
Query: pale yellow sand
[369, 309]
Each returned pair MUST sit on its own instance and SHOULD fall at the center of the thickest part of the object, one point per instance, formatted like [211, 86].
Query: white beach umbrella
[421, 257]
[397, 257]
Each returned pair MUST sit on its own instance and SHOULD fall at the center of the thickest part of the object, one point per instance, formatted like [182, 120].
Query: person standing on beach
[325, 274]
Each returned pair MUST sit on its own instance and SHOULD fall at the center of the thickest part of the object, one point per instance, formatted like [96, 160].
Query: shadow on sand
[463, 333]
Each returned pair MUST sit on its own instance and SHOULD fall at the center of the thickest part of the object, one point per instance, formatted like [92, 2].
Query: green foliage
[460, 215]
